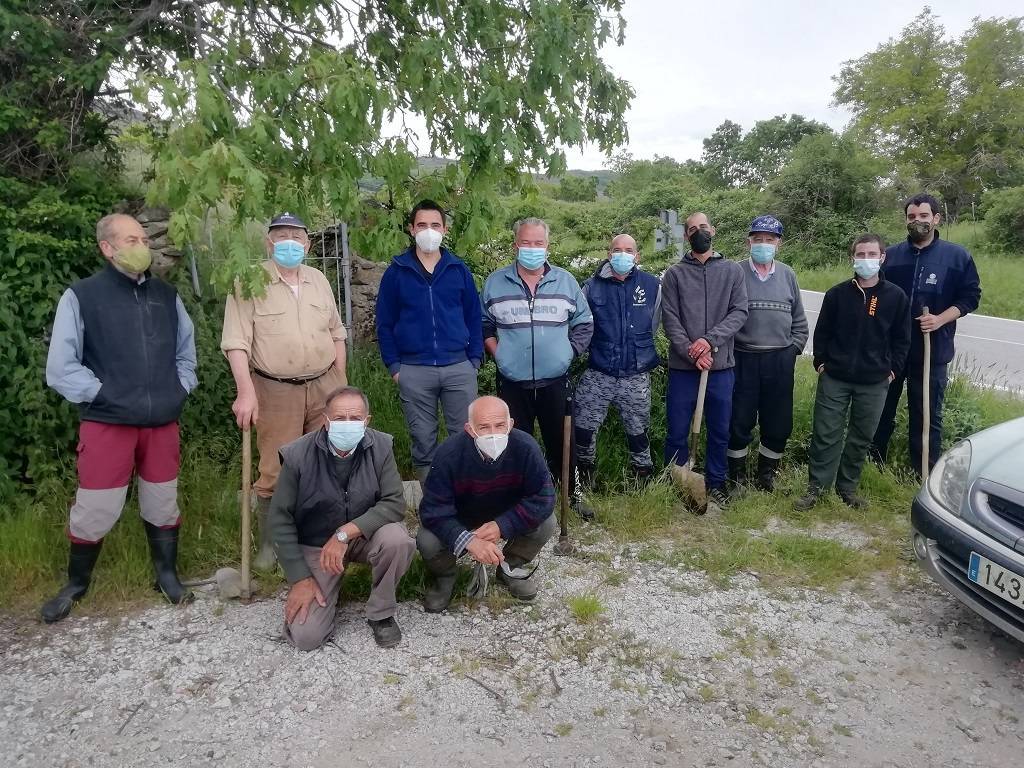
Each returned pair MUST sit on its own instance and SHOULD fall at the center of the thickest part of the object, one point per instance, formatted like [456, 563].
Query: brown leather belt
[295, 381]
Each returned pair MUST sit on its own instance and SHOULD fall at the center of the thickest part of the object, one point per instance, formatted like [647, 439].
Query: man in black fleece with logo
[861, 339]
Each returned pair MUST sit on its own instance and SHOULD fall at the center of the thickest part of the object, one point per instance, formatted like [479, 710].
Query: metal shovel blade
[690, 483]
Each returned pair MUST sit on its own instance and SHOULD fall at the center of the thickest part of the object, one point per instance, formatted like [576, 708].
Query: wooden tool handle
[246, 511]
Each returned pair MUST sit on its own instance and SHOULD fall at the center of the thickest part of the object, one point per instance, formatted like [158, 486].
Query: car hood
[997, 454]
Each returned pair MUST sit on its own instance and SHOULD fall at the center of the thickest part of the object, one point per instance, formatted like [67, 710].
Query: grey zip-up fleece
[706, 301]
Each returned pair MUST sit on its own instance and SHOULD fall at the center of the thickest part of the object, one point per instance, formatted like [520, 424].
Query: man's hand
[704, 362]
[246, 409]
[300, 597]
[892, 377]
[930, 322]
[820, 368]
[486, 552]
[332, 556]
[698, 349]
[394, 377]
[489, 532]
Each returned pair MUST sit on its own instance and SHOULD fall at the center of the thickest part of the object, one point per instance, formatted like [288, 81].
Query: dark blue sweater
[939, 276]
[428, 323]
[464, 490]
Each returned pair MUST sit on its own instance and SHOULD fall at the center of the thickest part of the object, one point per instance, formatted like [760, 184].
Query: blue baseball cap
[287, 220]
[766, 224]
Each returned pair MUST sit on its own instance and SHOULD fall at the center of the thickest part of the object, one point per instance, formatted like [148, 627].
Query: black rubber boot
[767, 471]
[737, 475]
[445, 572]
[641, 474]
[81, 561]
[808, 500]
[163, 548]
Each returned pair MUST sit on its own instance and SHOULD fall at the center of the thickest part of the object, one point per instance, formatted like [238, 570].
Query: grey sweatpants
[631, 395]
[420, 388]
[388, 551]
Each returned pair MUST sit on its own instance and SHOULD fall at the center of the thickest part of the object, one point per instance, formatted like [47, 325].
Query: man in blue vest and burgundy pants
[626, 304]
[123, 349]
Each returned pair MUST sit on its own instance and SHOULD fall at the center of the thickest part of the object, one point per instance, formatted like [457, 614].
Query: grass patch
[586, 607]
[563, 729]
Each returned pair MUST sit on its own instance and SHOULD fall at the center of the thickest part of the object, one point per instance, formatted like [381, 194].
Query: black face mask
[919, 230]
[700, 241]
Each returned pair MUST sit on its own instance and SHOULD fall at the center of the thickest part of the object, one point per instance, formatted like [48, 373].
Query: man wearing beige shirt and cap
[287, 352]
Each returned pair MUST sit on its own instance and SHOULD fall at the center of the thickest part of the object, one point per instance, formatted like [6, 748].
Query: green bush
[1004, 218]
[48, 235]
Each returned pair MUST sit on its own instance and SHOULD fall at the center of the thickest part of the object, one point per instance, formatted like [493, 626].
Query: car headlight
[947, 482]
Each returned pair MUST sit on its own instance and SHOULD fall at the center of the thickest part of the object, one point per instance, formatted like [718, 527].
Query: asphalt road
[990, 350]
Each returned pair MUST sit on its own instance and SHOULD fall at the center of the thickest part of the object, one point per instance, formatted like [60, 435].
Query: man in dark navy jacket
[626, 303]
[940, 277]
[429, 332]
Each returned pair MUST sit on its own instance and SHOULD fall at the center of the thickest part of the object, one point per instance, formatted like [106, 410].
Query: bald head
[488, 415]
[624, 243]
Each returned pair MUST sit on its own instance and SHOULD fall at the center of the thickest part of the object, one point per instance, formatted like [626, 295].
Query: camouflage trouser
[631, 395]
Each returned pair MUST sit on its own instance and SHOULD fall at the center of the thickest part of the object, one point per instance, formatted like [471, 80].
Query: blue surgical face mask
[532, 258]
[622, 262]
[867, 268]
[762, 253]
[345, 435]
[289, 253]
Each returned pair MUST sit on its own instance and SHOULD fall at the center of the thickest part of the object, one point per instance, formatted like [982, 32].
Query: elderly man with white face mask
[488, 483]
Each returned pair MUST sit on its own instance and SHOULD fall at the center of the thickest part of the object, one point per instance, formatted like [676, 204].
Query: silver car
[968, 522]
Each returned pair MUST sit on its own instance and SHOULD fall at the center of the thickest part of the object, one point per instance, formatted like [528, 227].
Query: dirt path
[673, 672]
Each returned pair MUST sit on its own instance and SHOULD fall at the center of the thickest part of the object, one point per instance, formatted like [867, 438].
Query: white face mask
[428, 240]
[491, 446]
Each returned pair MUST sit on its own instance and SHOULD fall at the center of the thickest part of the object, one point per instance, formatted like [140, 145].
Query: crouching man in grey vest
[338, 500]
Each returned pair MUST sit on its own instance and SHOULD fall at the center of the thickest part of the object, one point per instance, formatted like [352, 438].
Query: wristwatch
[341, 536]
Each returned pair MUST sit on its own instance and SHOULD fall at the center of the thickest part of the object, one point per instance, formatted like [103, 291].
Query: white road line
[985, 338]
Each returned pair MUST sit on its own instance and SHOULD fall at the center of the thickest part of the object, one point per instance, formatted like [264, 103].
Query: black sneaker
[808, 500]
[386, 632]
[852, 500]
[717, 501]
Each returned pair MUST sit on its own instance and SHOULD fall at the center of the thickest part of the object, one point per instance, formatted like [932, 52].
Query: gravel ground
[674, 672]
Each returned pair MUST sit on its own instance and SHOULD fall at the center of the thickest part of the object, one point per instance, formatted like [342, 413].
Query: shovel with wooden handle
[690, 482]
[564, 546]
[926, 416]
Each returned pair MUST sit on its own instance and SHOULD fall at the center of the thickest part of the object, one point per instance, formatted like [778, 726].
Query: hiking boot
[716, 503]
[641, 474]
[386, 632]
[524, 589]
[808, 500]
[163, 548]
[265, 558]
[852, 500]
[81, 561]
[767, 471]
[577, 505]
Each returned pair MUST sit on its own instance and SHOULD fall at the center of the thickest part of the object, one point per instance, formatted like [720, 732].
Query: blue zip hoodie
[537, 335]
[939, 276]
[421, 323]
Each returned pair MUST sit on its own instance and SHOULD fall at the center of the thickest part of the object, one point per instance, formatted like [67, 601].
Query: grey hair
[105, 226]
[531, 221]
[347, 392]
[469, 413]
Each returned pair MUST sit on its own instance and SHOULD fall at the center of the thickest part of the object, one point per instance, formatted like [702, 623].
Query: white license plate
[993, 577]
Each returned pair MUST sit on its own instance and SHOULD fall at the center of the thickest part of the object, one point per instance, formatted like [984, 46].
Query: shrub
[1004, 218]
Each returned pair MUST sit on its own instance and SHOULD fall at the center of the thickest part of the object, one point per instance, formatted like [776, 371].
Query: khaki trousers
[389, 552]
[286, 413]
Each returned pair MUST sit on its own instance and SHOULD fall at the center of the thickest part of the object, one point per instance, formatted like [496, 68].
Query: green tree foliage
[290, 104]
[827, 193]
[577, 189]
[732, 158]
[634, 176]
[948, 113]
[1004, 218]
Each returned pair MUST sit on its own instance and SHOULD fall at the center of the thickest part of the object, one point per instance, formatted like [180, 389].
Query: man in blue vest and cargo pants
[626, 304]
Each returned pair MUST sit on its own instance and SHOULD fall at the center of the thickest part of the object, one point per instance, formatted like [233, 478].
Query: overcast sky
[694, 65]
